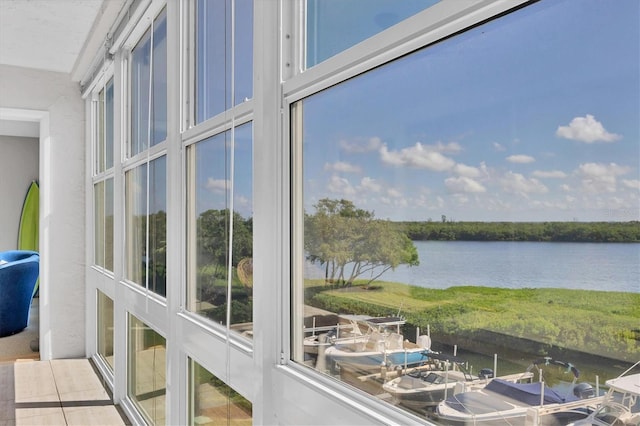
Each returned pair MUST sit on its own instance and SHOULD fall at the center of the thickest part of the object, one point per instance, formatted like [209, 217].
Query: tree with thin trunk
[350, 243]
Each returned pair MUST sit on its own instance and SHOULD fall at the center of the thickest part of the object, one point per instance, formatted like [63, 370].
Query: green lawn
[601, 322]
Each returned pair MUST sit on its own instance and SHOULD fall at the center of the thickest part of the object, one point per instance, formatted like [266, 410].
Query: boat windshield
[438, 378]
[611, 414]
[629, 400]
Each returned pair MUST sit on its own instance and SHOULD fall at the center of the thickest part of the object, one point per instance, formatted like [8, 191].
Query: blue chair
[19, 270]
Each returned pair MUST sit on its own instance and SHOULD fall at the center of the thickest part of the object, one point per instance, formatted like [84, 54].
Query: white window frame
[280, 80]
[101, 279]
[433, 24]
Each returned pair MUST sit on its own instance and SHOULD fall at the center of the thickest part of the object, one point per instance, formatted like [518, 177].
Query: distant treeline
[591, 232]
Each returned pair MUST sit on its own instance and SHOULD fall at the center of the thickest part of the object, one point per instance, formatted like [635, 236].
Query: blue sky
[330, 23]
[534, 116]
[213, 172]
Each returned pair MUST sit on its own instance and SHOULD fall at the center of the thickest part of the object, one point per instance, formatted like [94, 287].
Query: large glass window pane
[100, 134]
[104, 129]
[214, 48]
[99, 223]
[105, 328]
[135, 223]
[149, 88]
[108, 224]
[336, 25]
[213, 403]
[482, 195]
[213, 194]
[108, 119]
[146, 370]
[146, 220]
[157, 252]
[103, 232]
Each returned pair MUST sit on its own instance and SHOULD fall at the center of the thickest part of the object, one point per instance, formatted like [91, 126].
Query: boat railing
[480, 383]
[315, 329]
[535, 415]
[527, 376]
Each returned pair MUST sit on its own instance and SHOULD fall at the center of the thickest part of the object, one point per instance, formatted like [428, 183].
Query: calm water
[587, 266]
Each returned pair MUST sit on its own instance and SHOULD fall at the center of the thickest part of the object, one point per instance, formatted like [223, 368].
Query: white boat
[422, 388]
[381, 345]
[502, 402]
[348, 330]
[621, 404]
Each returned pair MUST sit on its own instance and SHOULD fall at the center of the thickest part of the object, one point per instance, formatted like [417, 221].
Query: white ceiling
[45, 34]
[52, 35]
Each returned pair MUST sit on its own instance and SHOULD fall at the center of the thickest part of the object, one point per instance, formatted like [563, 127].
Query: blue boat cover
[527, 393]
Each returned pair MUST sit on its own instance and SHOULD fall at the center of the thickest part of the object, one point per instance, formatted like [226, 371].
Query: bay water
[507, 264]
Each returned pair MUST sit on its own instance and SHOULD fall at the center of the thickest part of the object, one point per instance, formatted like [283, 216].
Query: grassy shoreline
[534, 320]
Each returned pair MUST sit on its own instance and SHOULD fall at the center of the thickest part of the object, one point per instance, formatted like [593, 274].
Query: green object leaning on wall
[28, 234]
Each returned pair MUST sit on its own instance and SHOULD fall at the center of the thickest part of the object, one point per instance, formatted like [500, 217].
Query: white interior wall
[62, 243]
[18, 167]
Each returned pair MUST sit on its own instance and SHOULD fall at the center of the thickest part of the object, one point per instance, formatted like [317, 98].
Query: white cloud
[370, 184]
[217, 185]
[451, 147]
[242, 201]
[631, 183]
[601, 169]
[421, 201]
[484, 169]
[401, 203]
[600, 177]
[552, 174]
[341, 166]
[463, 184]
[424, 190]
[586, 129]
[498, 147]
[341, 186]
[544, 204]
[361, 145]
[520, 159]
[517, 183]
[460, 199]
[418, 156]
[467, 171]
[395, 202]
[392, 192]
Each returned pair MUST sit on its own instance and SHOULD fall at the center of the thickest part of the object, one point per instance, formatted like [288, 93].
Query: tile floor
[18, 346]
[59, 392]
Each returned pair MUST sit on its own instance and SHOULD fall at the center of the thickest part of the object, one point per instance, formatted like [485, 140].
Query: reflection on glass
[476, 194]
[105, 328]
[99, 225]
[214, 55]
[103, 226]
[108, 119]
[100, 133]
[146, 201]
[336, 25]
[149, 88]
[146, 370]
[212, 227]
[108, 224]
[213, 403]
